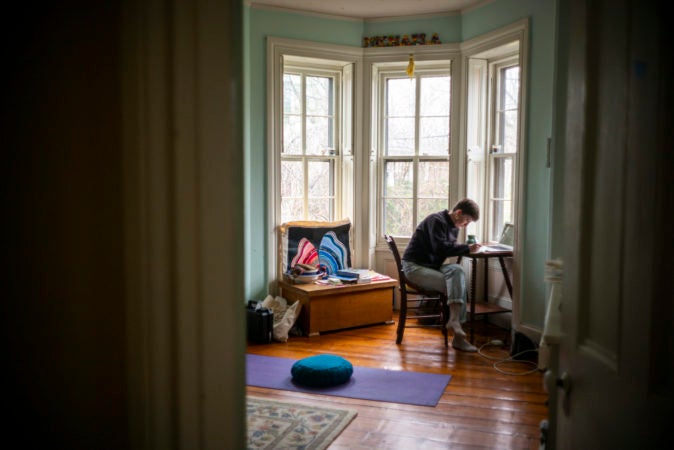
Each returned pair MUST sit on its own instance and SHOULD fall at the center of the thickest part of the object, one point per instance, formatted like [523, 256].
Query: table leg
[486, 280]
[506, 276]
[473, 279]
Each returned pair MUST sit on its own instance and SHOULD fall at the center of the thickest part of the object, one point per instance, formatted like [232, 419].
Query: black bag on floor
[259, 323]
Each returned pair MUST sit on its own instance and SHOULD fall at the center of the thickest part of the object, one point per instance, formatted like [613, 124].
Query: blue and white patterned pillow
[313, 243]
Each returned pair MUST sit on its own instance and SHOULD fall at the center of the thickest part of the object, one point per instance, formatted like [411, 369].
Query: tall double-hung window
[310, 135]
[493, 140]
[310, 147]
[503, 150]
[414, 141]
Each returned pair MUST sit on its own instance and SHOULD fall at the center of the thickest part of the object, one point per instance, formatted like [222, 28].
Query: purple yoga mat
[397, 386]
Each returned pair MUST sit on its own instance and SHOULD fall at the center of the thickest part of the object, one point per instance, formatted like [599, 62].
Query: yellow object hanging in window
[410, 66]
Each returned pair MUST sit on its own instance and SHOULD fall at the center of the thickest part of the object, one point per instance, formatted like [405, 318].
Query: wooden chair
[426, 308]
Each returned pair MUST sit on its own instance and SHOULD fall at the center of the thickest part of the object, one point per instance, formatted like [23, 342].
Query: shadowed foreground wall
[63, 300]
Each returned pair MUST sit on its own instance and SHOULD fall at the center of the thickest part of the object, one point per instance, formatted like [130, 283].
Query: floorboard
[481, 407]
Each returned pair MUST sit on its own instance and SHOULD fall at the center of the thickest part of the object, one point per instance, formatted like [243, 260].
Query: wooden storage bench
[326, 308]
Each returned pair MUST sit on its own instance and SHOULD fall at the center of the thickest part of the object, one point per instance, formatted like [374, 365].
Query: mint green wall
[263, 23]
[447, 27]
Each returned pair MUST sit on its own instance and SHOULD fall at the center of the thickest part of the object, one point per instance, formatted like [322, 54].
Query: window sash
[503, 153]
[501, 190]
[313, 206]
[402, 207]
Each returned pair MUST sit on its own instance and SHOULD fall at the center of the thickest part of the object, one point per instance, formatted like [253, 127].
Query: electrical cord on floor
[509, 360]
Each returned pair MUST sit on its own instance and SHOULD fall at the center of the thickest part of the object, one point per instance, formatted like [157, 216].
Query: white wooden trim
[520, 206]
[515, 31]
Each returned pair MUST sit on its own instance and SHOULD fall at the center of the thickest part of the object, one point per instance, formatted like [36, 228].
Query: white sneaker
[462, 344]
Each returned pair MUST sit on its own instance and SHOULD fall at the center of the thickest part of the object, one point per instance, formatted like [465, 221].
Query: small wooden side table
[326, 308]
[485, 308]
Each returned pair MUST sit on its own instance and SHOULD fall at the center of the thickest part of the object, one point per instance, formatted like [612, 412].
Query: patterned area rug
[274, 424]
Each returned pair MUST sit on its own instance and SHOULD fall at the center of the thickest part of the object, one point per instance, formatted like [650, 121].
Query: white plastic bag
[284, 316]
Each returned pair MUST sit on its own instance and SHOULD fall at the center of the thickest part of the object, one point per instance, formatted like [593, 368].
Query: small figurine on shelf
[366, 41]
[422, 39]
[415, 39]
[435, 39]
[405, 40]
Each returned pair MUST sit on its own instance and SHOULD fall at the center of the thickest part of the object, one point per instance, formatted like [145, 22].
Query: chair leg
[401, 320]
[445, 319]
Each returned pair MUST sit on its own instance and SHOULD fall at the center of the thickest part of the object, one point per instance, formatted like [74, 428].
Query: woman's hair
[469, 208]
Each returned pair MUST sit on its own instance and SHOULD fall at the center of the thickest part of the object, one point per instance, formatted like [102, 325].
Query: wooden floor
[480, 408]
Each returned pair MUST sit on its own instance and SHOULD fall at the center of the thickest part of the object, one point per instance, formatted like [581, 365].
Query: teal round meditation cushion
[322, 371]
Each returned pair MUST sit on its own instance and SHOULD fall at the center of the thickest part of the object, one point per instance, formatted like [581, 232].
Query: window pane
[416, 127]
[434, 180]
[309, 183]
[319, 135]
[510, 132]
[501, 213]
[511, 86]
[434, 136]
[398, 219]
[502, 189]
[292, 135]
[502, 176]
[400, 97]
[321, 183]
[292, 209]
[434, 96]
[319, 96]
[427, 206]
[320, 209]
[400, 136]
[398, 179]
[292, 95]
[292, 179]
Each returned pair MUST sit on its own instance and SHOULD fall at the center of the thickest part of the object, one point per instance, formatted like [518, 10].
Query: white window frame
[495, 47]
[495, 67]
[318, 57]
[440, 67]
[476, 53]
[377, 60]
[335, 72]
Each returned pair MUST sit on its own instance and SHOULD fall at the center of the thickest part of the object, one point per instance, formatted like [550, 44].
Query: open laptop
[505, 242]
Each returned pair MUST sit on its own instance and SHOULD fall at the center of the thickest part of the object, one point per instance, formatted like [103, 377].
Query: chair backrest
[405, 284]
[396, 255]
[402, 279]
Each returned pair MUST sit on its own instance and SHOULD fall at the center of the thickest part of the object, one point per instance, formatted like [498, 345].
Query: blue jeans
[449, 278]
